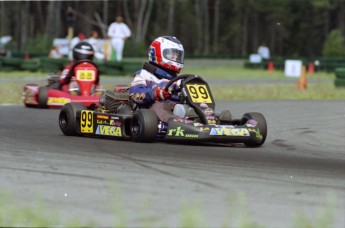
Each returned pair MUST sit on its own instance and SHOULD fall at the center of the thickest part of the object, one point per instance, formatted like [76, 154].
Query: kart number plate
[86, 121]
[86, 75]
[199, 93]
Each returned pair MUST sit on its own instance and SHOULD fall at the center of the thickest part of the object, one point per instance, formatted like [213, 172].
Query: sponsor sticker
[230, 131]
[115, 123]
[251, 123]
[58, 100]
[104, 122]
[103, 117]
[109, 130]
[204, 128]
[176, 132]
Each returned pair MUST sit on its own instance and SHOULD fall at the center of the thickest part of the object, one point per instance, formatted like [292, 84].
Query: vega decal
[230, 131]
[58, 100]
[108, 130]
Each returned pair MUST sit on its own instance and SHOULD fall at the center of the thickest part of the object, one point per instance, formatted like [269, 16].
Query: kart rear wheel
[261, 124]
[68, 118]
[42, 97]
[144, 126]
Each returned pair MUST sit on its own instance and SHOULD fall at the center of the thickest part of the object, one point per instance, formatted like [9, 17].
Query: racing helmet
[168, 53]
[83, 50]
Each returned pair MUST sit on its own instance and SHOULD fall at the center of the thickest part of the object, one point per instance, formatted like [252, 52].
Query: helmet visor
[173, 55]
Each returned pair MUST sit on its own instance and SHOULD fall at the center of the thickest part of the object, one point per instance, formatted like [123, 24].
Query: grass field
[278, 87]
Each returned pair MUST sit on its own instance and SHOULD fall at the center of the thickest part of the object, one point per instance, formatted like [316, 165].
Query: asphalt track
[300, 170]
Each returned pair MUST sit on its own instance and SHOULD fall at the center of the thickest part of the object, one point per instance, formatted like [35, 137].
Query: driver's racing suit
[142, 89]
[66, 77]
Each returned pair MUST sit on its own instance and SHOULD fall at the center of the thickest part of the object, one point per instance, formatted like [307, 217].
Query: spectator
[119, 33]
[55, 53]
[95, 42]
[264, 52]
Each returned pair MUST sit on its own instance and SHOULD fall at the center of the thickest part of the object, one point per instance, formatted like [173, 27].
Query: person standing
[54, 53]
[118, 33]
[95, 42]
[264, 52]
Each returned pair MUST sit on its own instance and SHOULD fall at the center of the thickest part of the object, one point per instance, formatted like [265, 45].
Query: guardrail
[45, 64]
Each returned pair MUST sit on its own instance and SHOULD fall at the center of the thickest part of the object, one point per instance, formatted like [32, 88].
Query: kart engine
[112, 100]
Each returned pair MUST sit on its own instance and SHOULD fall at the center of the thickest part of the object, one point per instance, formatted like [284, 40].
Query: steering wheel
[183, 76]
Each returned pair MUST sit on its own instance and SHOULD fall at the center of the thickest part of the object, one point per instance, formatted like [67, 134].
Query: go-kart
[80, 89]
[195, 119]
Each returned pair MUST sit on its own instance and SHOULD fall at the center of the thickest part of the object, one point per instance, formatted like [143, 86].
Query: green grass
[21, 74]
[238, 71]
[284, 88]
[323, 91]
[191, 214]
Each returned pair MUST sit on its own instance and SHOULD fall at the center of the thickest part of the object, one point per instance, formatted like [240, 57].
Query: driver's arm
[142, 91]
[65, 77]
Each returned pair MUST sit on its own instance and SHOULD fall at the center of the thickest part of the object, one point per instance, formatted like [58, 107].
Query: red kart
[81, 89]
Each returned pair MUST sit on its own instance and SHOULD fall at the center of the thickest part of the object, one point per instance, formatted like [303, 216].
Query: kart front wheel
[68, 118]
[42, 97]
[144, 125]
[261, 127]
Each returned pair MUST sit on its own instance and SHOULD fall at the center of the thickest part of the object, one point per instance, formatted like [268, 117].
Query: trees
[334, 45]
[218, 27]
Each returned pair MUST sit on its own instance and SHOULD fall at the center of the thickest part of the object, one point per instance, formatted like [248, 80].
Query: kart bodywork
[196, 121]
[81, 89]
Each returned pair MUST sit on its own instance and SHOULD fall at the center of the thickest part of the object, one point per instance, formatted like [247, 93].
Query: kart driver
[81, 51]
[166, 56]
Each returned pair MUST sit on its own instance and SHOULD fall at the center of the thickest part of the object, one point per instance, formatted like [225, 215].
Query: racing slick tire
[68, 118]
[261, 124]
[42, 97]
[144, 126]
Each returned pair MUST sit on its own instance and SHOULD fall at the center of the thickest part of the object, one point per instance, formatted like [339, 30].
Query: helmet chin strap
[158, 72]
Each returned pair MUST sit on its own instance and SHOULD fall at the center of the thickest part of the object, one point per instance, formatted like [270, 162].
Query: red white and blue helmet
[161, 51]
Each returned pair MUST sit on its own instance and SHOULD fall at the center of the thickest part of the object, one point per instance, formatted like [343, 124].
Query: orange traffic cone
[302, 82]
[270, 66]
[311, 68]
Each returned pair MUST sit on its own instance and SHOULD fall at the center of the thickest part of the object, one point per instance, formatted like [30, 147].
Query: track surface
[300, 169]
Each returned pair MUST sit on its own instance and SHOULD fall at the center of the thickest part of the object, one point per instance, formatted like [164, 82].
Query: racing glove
[161, 95]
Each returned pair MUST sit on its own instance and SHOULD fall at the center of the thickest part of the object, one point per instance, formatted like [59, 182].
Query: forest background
[207, 28]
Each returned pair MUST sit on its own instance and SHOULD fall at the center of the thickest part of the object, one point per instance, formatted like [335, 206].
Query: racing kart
[80, 89]
[195, 119]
